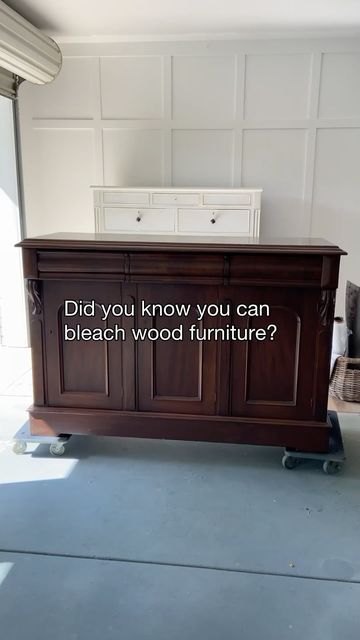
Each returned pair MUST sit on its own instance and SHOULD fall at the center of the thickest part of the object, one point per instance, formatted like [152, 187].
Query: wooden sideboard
[270, 392]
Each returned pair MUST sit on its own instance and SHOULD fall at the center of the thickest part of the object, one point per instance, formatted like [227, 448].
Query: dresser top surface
[181, 243]
[178, 189]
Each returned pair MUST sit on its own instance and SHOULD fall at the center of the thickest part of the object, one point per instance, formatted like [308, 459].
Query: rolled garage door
[25, 53]
[7, 84]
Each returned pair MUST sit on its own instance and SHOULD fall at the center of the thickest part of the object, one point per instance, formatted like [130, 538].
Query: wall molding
[204, 113]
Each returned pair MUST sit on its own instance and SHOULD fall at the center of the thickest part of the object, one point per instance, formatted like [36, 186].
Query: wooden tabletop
[169, 243]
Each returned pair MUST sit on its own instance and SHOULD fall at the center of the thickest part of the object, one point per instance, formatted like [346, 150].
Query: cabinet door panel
[273, 369]
[82, 373]
[176, 376]
[275, 378]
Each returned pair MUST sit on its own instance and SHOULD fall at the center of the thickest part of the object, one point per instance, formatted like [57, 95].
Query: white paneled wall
[277, 86]
[132, 87]
[276, 159]
[282, 115]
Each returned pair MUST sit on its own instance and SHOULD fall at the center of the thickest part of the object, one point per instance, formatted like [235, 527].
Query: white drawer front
[128, 197]
[119, 219]
[227, 198]
[226, 221]
[175, 198]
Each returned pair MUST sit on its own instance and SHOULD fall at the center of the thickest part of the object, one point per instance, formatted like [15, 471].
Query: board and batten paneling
[282, 115]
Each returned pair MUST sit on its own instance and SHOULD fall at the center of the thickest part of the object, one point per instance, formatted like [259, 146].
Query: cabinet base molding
[298, 434]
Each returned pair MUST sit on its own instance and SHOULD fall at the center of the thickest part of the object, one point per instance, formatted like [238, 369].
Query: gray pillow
[353, 318]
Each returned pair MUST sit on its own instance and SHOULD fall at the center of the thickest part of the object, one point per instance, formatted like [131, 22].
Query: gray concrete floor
[164, 540]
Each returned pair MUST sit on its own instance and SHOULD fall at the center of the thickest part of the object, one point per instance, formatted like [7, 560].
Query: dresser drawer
[125, 197]
[227, 199]
[126, 219]
[292, 270]
[175, 198]
[214, 221]
[71, 264]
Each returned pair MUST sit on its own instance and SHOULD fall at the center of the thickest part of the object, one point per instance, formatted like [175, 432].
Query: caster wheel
[288, 462]
[19, 447]
[331, 467]
[57, 449]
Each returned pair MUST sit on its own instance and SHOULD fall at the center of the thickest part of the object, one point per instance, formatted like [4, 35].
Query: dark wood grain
[176, 376]
[301, 435]
[153, 244]
[275, 378]
[270, 270]
[81, 374]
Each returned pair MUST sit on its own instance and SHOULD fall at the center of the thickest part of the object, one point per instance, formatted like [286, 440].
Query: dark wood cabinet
[271, 391]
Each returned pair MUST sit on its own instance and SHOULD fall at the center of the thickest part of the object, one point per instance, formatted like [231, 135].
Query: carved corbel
[34, 294]
[326, 306]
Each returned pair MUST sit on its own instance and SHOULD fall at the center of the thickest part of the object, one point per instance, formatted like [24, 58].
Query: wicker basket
[345, 380]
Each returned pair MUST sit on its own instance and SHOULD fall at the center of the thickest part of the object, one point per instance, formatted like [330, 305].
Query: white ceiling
[130, 19]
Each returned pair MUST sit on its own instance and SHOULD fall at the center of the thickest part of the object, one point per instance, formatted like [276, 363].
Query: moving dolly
[23, 437]
[332, 461]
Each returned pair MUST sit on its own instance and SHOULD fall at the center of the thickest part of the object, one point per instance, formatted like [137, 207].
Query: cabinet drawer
[128, 197]
[227, 198]
[69, 264]
[121, 219]
[291, 270]
[175, 198]
[226, 221]
[175, 268]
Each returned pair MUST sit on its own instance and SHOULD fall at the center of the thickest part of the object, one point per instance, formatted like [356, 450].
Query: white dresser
[205, 212]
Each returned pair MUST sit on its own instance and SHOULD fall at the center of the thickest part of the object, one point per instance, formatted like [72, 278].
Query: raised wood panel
[81, 373]
[176, 376]
[272, 373]
[276, 378]
[171, 382]
[76, 358]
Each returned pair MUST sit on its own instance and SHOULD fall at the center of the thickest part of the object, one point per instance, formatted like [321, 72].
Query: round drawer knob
[212, 220]
[138, 219]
